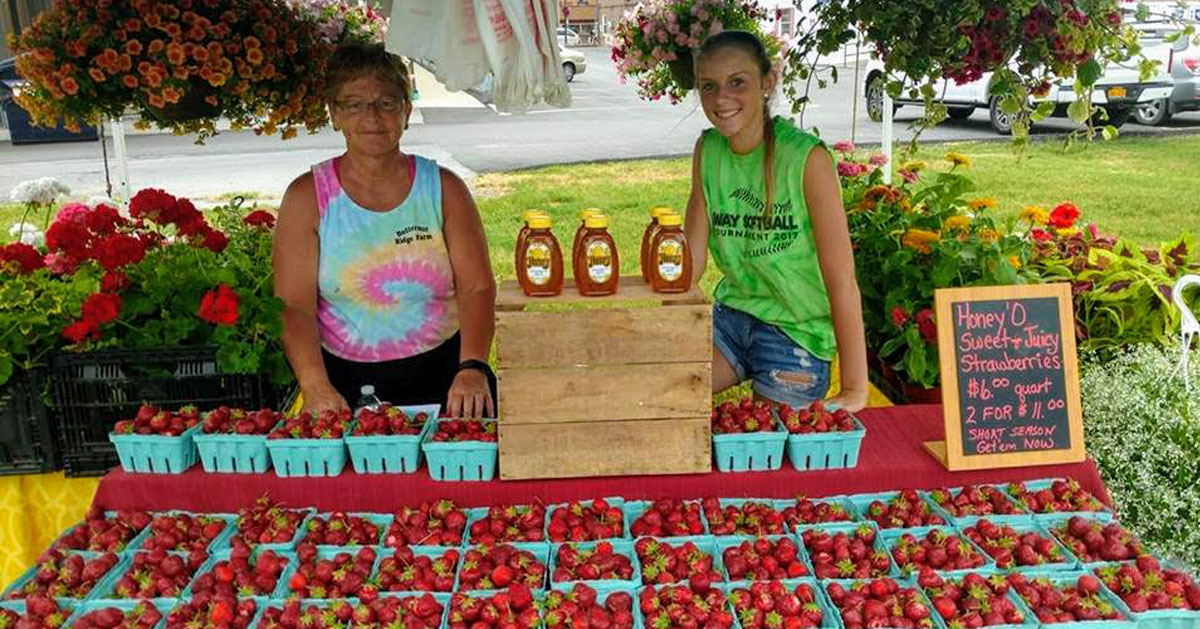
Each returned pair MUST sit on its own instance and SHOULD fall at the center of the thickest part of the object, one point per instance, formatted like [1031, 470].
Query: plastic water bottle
[367, 399]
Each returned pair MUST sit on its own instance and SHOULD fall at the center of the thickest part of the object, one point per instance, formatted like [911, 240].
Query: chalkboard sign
[1010, 377]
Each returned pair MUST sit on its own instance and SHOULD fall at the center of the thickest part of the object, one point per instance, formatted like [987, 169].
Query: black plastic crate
[26, 441]
[92, 391]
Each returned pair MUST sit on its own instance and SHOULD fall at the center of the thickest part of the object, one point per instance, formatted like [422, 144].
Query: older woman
[381, 260]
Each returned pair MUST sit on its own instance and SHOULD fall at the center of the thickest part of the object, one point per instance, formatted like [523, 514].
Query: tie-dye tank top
[385, 284]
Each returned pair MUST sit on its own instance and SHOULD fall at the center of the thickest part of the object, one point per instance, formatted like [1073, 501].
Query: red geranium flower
[1041, 235]
[220, 306]
[926, 325]
[101, 308]
[118, 250]
[79, 331]
[899, 316]
[69, 237]
[22, 257]
[260, 218]
[215, 240]
[1064, 216]
[151, 203]
[114, 281]
[103, 220]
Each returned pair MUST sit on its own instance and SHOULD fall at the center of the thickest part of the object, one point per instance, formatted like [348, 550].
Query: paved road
[607, 121]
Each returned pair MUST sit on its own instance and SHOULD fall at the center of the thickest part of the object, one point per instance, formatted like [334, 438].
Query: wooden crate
[620, 387]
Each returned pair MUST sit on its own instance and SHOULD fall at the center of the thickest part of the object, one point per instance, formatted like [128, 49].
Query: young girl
[766, 199]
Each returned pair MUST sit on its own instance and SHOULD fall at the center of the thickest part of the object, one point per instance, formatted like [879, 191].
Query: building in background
[16, 15]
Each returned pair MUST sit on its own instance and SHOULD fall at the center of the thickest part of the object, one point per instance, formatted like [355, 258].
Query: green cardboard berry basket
[156, 454]
[460, 460]
[751, 451]
[637, 508]
[293, 458]
[391, 454]
[620, 547]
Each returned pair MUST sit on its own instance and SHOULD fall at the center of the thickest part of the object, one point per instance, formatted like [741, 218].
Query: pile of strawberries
[404, 571]
[975, 500]
[65, 575]
[973, 601]
[743, 417]
[1010, 548]
[1065, 603]
[938, 549]
[598, 563]
[1062, 496]
[764, 559]
[268, 522]
[183, 533]
[584, 521]
[749, 518]
[669, 517]
[40, 611]
[340, 529]
[329, 424]
[438, 523]
[344, 576]
[150, 420]
[510, 524]
[158, 574]
[1145, 585]
[242, 574]
[465, 430]
[143, 616]
[880, 603]
[204, 611]
[1092, 541]
[101, 533]
[837, 555]
[389, 420]
[906, 510]
[513, 608]
[663, 563]
[770, 604]
[580, 608]
[238, 421]
[816, 419]
[685, 606]
[807, 511]
[422, 612]
[489, 567]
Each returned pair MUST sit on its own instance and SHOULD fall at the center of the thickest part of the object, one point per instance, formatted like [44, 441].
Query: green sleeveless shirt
[771, 270]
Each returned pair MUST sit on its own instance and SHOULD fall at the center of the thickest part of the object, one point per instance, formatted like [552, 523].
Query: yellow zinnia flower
[1035, 215]
[1014, 261]
[958, 159]
[958, 223]
[989, 235]
[983, 203]
[920, 240]
[1067, 231]
[914, 167]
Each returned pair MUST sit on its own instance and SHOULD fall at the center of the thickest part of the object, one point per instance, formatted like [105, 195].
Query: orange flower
[70, 86]
[269, 34]
[97, 75]
[157, 101]
[217, 79]
[226, 66]
[75, 49]
[175, 54]
[254, 56]
[144, 68]
[175, 31]
[130, 81]
[125, 63]
[288, 133]
[172, 95]
[170, 11]
[182, 73]
[72, 125]
[153, 20]
[200, 54]
[212, 100]
[157, 46]
[195, 33]
[120, 34]
[919, 240]
[133, 25]
[215, 50]
[252, 42]
[133, 47]
[153, 79]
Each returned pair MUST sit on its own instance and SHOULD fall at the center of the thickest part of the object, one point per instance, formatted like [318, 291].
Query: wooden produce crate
[620, 387]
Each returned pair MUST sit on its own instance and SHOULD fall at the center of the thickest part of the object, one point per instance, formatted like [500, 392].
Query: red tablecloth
[891, 458]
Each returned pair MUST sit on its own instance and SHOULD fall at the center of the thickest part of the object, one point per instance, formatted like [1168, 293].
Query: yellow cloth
[34, 510]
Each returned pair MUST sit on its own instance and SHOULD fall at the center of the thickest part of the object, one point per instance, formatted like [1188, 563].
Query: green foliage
[34, 309]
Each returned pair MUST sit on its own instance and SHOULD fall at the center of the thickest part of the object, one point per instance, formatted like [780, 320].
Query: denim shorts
[782, 371]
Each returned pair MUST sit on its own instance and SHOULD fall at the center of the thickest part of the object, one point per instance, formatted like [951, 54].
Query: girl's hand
[853, 400]
[323, 398]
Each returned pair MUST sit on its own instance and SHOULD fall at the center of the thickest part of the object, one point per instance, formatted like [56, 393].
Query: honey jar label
[599, 262]
[670, 259]
[537, 263]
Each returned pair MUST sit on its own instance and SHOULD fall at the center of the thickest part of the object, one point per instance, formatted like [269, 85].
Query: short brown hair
[355, 60]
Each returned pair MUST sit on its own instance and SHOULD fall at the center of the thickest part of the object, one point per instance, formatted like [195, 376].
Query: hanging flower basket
[197, 103]
[683, 72]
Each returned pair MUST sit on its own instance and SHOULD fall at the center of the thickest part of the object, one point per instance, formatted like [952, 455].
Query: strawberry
[905, 510]
[940, 549]
[488, 567]
[437, 523]
[764, 559]
[580, 522]
[509, 524]
[389, 420]
[40, 611]
[242, 575]
[328, 424]
[956, 600]
[1061, 496]
[339, 575]
[846, 556]
[512, 608]
[229, 421]
[101, 533]
[143, 616]
[1145, 585]
[204, 611]
[294, 615]
[183, 533]
[339, 529]
[796, 607]
[750, 518]
[1010, 548]
[150, 420]
[1094, 541]
[975, 500]
[1068, 602]
[157, 574]
[668, 517]
[267, 522]
[597, 563]
[679, 607]
[807, 511]
[743, 417]
[816, 419]
[65, 575]
[663, 563]
[880, 603]
[404, 571]
[465, 430]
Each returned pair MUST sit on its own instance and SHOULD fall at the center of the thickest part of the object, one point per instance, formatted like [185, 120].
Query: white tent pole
[888, 112]
[118, 134]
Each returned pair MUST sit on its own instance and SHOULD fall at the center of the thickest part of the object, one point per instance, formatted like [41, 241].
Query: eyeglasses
[385, 105]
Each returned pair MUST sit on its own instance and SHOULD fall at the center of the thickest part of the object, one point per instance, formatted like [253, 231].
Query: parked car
[1119, 92]
[1181, 64]
[572, 37]
[573, 63]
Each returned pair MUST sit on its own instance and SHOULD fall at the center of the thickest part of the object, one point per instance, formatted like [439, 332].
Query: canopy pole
[118, 133]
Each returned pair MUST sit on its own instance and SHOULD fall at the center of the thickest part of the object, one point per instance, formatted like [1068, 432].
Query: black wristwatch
[478, 365]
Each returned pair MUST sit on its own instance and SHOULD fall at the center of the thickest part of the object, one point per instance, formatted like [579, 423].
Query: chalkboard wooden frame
[950, 451]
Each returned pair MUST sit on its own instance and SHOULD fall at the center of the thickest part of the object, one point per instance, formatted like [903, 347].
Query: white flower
[29, 234]
[42, 191]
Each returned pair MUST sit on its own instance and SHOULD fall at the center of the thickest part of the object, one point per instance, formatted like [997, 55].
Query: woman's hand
[321, 398]
[470, 395]
[853, 400]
